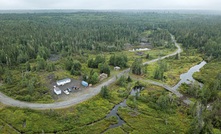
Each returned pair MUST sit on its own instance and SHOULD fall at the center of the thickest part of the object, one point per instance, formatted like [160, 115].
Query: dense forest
[85, 44]
[24, 36]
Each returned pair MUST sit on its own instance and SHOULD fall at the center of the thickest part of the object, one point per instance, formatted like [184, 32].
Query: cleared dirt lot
[73, 93]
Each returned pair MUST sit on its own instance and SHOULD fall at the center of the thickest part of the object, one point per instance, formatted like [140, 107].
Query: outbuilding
[116, 68]
[63, 82]
[103, 76]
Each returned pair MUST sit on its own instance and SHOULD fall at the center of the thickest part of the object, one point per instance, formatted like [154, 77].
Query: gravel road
[92, 91]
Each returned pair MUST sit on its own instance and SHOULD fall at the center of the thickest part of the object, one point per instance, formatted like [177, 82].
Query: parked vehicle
[69, 89]
[57, 90]
[74, 87]
[66, 91]
[84, 83]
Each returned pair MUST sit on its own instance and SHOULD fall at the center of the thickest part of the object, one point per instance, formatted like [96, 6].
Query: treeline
[161, 37]
[25, 36]
[198, 31]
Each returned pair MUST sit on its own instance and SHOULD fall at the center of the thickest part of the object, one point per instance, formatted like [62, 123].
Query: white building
[116, 68]
[139, 49]
[64, 81]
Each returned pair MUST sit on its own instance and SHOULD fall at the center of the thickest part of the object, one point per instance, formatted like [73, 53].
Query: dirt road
[82, 97]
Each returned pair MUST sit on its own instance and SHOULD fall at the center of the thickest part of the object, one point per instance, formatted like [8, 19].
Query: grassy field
[145, 119]
[154, 53]
[50, 121]
[141, 116]
[40, 91]
[209, 72]
[175, 67]
[82, 118]
[89, 116]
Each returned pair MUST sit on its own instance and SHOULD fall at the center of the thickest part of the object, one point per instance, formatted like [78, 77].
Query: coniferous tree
[104, 92]
[137, 67]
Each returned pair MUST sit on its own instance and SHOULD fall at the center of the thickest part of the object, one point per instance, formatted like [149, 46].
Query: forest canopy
[25, 36]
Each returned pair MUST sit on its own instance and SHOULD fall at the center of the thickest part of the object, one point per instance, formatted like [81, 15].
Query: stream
[113, 112]
[184, 78]
[188, 76]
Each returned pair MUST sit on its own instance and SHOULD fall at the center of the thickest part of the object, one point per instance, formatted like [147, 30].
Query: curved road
[83, 97]
[169, 88]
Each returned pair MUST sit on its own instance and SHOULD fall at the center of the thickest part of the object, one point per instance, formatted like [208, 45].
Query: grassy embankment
[208, 74]
[174, 67]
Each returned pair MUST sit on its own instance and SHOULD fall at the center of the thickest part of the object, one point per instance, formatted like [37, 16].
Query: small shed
[116, 68]
[57, 90]
[63, 82]
[84, 83]
[102, 76]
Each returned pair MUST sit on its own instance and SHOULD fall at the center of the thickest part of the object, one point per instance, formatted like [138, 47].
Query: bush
[118, 60]
[94, 63]
[93, 77]
[122, 81]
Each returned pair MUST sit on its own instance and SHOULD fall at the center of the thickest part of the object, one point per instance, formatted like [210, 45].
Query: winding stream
[113, 112]
[184, 78]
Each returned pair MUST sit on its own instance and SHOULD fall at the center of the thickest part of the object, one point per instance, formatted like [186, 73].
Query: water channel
[113, 112]
[188, 76]
[184, 78]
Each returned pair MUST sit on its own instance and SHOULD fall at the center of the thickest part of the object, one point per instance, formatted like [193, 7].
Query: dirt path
[169, 88]
[83, 97]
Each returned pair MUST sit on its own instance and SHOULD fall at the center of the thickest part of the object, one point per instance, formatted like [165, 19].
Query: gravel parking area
[63, 96]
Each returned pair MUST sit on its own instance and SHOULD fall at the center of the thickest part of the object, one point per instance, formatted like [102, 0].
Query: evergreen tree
[118, 60]
[76, 68]
[93, 77]
[129, 79]
[104, 92]
[94, 63]
[90, 63]
[137, 67]
[104, 68]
